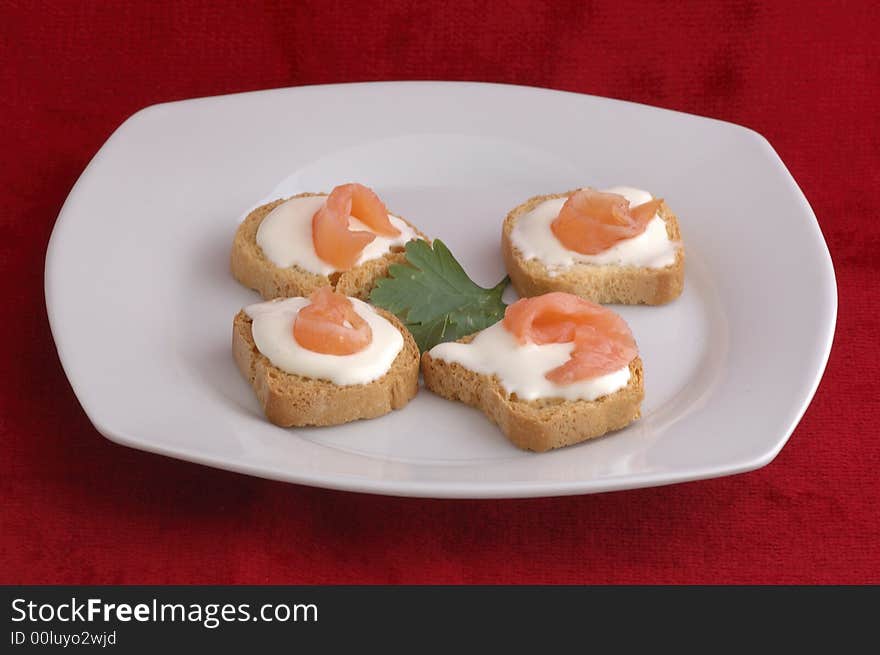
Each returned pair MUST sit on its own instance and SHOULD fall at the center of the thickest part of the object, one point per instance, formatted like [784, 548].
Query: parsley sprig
[435, 298]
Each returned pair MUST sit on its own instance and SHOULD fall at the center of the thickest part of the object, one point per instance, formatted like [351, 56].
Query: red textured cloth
[75, 508]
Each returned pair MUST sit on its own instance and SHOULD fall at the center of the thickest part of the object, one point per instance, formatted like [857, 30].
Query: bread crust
[537, 425]
[251, 267]
[290, 400]
[627, 285]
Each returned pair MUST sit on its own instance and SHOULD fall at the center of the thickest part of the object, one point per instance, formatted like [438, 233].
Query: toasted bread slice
[251, 267]
[537, 425]
[291, 400]
[627, 285]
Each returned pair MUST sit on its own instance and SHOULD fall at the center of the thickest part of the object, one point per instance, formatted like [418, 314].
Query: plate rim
[454, 490]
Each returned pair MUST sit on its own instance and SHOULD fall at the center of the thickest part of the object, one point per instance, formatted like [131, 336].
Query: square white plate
[141, 301]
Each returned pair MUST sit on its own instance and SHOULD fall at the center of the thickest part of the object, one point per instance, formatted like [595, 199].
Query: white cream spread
[532, 236]
[520, 368]
[285, 236]
[272, 329]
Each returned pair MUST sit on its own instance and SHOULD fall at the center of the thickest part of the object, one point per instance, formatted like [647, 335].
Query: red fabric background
[75, 508]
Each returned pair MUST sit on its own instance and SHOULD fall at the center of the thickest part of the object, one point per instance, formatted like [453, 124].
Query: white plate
[141, 301]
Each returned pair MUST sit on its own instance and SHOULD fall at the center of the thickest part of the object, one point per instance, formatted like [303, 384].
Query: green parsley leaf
[435, 298]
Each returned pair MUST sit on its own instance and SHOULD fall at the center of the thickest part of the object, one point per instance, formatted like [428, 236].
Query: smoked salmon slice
[330, 325]
[602, 340]
[334, 242]
[366, 207]
[592, 221]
